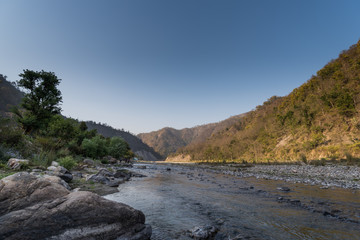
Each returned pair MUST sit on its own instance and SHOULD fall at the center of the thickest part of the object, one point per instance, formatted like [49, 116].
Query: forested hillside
[9, 95]
[136, 145]
[320, 119]
[168, 140]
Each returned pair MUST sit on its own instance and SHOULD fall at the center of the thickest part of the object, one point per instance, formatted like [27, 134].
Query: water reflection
[178, 200]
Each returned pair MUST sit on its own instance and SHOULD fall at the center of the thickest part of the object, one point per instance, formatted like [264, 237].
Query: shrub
[10, 134]
[43, 159]
[95, 147]
[63, 128]
[67, 162]
[303, 158]
[118, 147]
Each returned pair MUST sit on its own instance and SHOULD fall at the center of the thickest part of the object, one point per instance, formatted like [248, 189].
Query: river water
[177, 200]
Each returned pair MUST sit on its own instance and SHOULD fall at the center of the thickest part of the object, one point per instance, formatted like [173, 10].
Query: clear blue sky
[143, 65]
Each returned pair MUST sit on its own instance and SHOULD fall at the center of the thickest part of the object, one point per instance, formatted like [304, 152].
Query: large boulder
[33, 207]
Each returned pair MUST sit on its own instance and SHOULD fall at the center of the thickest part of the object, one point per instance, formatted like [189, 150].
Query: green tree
[41, 101]
[95, 147]
[118, 148]
[65, 129]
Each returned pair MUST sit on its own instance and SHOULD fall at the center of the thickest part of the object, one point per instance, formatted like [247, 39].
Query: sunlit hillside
[319, 119]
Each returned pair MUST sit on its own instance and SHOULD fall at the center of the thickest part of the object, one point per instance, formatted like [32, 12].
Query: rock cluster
[41, 207]
[112, 179]
[60, 172]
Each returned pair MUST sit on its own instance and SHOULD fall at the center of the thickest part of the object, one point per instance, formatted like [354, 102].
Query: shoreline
[332, 175]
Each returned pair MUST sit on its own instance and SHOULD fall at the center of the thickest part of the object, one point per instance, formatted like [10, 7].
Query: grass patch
[43, 159]
[5, 174]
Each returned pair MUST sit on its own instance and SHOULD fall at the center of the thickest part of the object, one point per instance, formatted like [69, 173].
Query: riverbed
[175, 199]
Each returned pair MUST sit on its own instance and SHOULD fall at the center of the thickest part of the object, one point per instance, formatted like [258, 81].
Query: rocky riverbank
[52, 204]
[333, 175]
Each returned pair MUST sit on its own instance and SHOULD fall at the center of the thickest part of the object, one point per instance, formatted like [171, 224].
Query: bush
[118, 147]
[10, 134]
[95, 147]
[67, 162]
[303, 158]
[64, 128]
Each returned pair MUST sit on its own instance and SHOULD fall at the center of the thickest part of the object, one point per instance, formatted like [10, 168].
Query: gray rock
[284, 189]
[16, 164]
[134, 174]
[105, 172]
[115, 182]
[103, 176]
[63, 173]
[22, 189]
[38, 208]
[123, 174]
[89, 162]
[203, 233]
[98, 178]
[55, 164]
[51, 168]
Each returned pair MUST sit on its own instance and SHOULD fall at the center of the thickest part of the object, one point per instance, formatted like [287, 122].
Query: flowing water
[177, 200]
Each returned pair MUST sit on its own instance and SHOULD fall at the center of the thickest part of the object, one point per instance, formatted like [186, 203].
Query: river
[176, 199]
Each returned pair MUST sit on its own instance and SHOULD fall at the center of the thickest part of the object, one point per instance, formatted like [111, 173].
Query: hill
[319, 119]
[168, 140]
[136, 145]
[9, 95]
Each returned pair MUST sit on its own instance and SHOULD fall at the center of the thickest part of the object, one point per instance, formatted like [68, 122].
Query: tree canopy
[42, 98]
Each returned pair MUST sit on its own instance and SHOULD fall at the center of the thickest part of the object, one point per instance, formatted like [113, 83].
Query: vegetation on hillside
[38, 132]
[318, 120]
[136, 144]
[10, 96]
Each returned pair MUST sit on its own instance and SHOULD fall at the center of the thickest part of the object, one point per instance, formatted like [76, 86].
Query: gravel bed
[327, 176]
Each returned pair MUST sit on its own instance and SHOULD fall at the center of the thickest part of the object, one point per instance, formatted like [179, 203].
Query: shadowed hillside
[320, 119]
[168, 140]
[9, 95]
[136, 145]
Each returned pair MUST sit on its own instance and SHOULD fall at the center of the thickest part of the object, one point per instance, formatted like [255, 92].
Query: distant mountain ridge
[168, 140]
[136, 145]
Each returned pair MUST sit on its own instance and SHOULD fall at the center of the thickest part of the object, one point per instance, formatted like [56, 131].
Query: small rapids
[177, 200]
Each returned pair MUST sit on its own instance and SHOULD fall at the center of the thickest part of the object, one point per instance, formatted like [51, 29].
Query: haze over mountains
[168, 140]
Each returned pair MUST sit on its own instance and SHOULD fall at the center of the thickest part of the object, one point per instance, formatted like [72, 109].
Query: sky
[142, 65]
